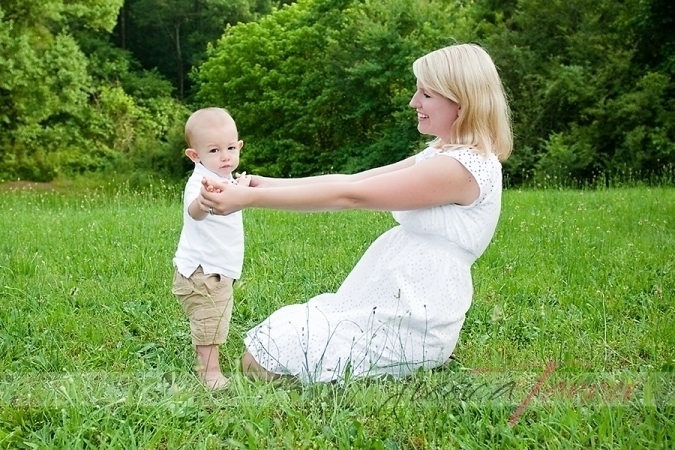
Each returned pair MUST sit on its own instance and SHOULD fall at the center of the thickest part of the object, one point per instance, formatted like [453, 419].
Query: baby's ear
[241, 145]
[192, 154]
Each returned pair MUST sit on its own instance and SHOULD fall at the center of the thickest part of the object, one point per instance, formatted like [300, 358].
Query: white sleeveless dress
[403, 305]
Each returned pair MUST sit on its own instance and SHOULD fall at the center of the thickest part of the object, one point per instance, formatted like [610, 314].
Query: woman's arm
[260, 181]
[436, 181]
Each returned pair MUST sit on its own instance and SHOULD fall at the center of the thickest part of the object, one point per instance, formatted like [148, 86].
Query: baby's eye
[213, 150]
[232, 148]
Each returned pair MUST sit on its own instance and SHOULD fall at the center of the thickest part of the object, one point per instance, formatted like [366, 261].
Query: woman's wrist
[257, 181]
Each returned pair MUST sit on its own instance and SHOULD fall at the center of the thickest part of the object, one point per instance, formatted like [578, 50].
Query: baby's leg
[207, 301]
[209, 367]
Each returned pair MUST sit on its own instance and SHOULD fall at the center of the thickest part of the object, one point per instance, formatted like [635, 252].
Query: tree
[58, 112]
[45, 84]
[586, 102]
[171, 35]
[324, 85]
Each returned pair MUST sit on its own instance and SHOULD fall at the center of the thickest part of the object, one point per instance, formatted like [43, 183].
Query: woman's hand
[220, 198]
[258, 181]
[243, 179]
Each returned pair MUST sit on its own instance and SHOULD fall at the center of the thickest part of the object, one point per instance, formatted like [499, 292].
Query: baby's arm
[194, 209]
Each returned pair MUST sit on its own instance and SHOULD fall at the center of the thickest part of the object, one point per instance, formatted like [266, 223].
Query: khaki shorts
[207, 301]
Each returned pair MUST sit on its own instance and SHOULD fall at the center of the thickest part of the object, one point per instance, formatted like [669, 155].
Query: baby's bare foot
[215, 382]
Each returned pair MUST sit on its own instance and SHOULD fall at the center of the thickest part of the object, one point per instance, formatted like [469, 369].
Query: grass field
[569, 342]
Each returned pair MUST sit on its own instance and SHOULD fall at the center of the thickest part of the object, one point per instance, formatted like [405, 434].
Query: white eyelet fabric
[403, 305]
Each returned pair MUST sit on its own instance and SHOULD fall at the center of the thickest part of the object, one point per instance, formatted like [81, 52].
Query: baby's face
[218, 149]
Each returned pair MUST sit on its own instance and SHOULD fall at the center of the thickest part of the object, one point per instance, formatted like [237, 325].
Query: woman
[403, 305]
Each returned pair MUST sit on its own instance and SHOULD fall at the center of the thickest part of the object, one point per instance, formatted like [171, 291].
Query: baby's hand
[243, 179]
[209, 187]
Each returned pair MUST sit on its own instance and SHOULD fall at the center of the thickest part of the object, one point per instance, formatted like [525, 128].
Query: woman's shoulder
[486, 169]
[426, 153]
[465, 154]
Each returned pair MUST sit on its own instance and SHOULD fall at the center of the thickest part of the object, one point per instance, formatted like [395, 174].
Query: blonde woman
[403, 305]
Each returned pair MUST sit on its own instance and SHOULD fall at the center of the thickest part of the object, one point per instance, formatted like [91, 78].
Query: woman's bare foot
[252, 369]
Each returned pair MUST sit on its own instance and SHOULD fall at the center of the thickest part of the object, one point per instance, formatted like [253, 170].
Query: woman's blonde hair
[465, 74]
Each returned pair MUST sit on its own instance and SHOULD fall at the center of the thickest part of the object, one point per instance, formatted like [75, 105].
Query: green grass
[94, 349]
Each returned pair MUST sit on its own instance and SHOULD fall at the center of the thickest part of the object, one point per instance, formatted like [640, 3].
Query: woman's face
[435, 114]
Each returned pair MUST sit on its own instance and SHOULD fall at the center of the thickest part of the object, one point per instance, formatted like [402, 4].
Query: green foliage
[44, 96]
[70, 102]
[654, 31]
[53, 14]
[321, 85]
[588, 96]
[171, 35]
[94, 14]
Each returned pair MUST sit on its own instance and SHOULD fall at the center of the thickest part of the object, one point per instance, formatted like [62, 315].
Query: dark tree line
[323, 85]
[172, 36]
[591, 92]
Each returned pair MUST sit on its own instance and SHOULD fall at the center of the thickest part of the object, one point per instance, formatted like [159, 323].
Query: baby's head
[212, 139]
